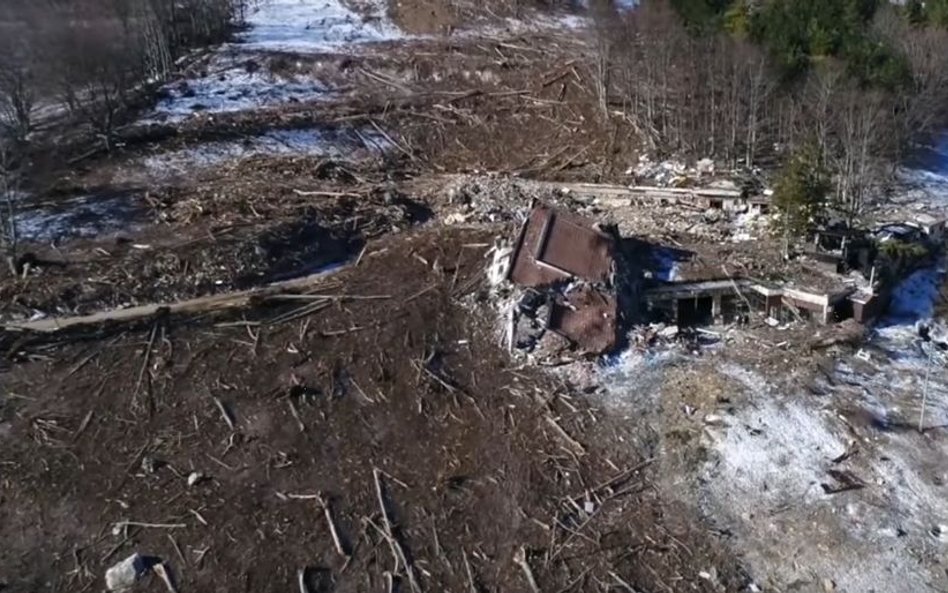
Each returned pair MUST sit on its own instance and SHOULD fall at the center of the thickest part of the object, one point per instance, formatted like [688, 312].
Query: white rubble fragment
[455, 218]
[499, 265]
[125, 574]
[705, 166]
[194, 478]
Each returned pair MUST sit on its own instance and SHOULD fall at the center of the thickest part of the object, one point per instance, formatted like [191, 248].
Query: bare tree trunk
[8, 208]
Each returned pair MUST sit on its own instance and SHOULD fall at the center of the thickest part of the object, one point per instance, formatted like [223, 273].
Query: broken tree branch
[389, 532]
[520, 558]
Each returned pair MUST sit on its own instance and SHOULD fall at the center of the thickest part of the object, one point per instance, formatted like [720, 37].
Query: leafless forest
[93, 56]
[722, 96]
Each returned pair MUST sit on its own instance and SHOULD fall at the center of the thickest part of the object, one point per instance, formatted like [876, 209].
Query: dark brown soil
[482, 462]
[479, 459]
[230, 230]
[421, 17]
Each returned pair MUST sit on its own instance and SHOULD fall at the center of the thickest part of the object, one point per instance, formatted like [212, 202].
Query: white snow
[632, 380]
[925, 181]
[775, 450]
[764, 483]
[915, 296]
[233, 88]
[771, 455]
[84, 216]
[303, 142]
[238, 77]
[312, 26]
[747, 226]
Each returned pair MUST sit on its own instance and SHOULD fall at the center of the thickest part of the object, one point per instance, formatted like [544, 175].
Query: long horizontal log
[229, 300]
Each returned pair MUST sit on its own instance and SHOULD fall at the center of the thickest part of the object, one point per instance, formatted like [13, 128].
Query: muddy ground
[493, 476]
[516, 102]
[480, 460]
[364, 159]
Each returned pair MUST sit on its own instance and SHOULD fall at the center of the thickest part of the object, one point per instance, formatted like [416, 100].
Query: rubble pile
[493, 199]
[668, 173]
[556, 287]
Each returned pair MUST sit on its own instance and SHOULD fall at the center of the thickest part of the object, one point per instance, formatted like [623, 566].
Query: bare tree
[865, 141]
[17, 66]
[8, 206]
[923, 110]
[759, 83]
[98, 63]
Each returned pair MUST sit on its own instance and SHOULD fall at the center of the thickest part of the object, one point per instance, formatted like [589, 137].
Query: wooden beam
[222, 301]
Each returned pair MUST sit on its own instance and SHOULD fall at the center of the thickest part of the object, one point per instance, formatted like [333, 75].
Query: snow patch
[304, 142]
[748, 225]
[81, 217]
[633, 379]
[312, 26]
[764, 482]
[231, 89]
[772, 454]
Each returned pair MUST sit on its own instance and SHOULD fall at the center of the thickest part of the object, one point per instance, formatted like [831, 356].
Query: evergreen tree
[800, 194]
[915, 12]
[936, 11]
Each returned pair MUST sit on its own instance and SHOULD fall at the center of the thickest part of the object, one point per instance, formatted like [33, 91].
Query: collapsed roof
[573, 260]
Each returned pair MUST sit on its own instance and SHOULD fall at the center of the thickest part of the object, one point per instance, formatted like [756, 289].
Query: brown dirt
[419, 17]
[481, 458]
[478, 457]
[518, 103]
[230, 229]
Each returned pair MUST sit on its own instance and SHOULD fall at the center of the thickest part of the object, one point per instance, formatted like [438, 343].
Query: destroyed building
[843, 273]
[574, 282]
[700, 289]
[564, 269]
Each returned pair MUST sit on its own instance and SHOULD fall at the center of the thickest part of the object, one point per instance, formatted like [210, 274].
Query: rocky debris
[705, 167]
[668, 173]
[123, 575]
[933, 334]
[479, 199]
[531, 319]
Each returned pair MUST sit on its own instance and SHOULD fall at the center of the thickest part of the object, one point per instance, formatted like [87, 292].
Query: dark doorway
[695, 311]
[843, 310]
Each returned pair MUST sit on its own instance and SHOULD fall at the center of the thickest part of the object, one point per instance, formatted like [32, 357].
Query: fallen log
[216, 302]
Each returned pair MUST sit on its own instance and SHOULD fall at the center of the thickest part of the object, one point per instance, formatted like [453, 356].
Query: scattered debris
[123, 575]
